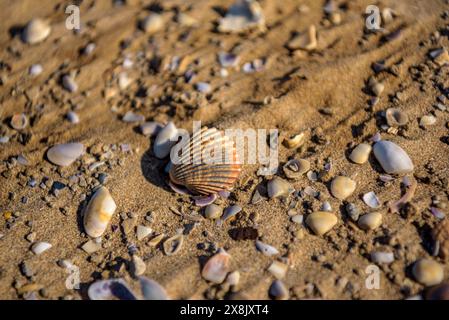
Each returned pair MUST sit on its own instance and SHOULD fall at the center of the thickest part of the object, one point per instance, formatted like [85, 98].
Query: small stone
[68, 82]
[278, 269]
[428, 272]
[37, 30]
[370, 221]
[380, 257]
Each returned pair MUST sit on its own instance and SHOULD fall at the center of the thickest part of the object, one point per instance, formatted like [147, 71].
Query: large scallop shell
[199, 174]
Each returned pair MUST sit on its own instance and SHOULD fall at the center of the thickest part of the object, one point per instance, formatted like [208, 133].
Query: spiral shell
[200, 169]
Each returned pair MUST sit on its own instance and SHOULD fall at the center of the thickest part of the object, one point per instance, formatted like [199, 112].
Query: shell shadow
[153, 169]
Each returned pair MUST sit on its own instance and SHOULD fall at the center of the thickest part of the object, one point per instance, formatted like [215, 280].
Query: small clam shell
[278, 269]
[278, 291]
[304, 41]
[396, 117]
[150, 128]
[19, 121]
[165, 140]
[151, 290]
[69, 83]
[99, 212]
[278, 187]
[321, 222]
[40, 247]
[266, 249]
[342, 187]
[142, 232]
[217, 267]
[360, 153]
[35, 31]
[152, 23]
[202, 174]
[230, 212]
[138, 266]
[379, 257]
[427, 120]
[392, 158]
[110, 289]
[371, 200]
[294, 141]
[65, 154]
[428, 272]
[213, 211]
[173, 245]
[370, 221]
[295, 168]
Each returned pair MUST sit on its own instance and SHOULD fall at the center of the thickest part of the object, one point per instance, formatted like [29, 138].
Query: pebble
[321, 222]
[142, 232]
[98, 212]
[68, 82]
[217, 267]
[266, 249]
[203, 87]
[380, 257]
[165, 140]
[152, 23]
[278, 269]
[65, 154]
[370, 221]
[72, 117]
[150, 128]
[278, 187]
[37, 30]
[427, 120]
[278, 291]
[40, 247]
[213, 211]
[342, 187]
[138, 266]
[131, 117]
[230, 212]
[360, 154]
[392, 158]
[35, 70]
[428, 272]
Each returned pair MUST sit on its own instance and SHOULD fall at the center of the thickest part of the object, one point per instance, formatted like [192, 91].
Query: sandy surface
[332, 77]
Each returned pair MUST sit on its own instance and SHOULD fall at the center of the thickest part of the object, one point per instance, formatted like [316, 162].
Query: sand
[300, 86]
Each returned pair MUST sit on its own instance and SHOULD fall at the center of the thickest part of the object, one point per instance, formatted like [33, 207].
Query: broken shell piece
[427, 120]
[151, 290]
[295, 168]
[278, 187]
[360, 153]
[68, 82]
[165, 140]
[392, 158]
[370, 221]
[396, 117]
[99, 212]
[152, 23]
[150, 128]
[142, 232]
[278, 269]
[342, 187]
[440, 56]
[35, 70]
[133, 117]
[233, 278]
[19, 121]
[40, 247]
[278, 291]
[228, 60]
[217, 267]
[379, 257]
[35, 31]
[371, 200]
[321, 222]
[110, 289]
[173, 245]
[138, 266]
[213, 211]
[65, 154]
[266, 249]
[294, 141]
[91, 246]
[242, 16]
[153, 242]
[304, 41]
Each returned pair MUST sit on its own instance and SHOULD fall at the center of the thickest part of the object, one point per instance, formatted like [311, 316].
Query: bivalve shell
[392, 158]
[173, 245]
[360, 153]
[40, 247]
[165, 140]
[278, 187]
[151, 290]
[278, 291]
[266, 249]
[342, 187]
[396, 117]
[217, 267]
[99, 212]
[36, 30]
[65, 154]
[321, 222]
[295, 168]
[370, 221]
[428, 272]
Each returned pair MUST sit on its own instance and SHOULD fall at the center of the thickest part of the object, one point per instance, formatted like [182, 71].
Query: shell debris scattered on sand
[99, 212]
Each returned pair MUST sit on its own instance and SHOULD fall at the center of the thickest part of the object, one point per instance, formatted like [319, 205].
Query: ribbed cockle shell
[208, 163]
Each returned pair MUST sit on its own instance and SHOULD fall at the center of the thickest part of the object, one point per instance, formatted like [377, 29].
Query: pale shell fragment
[36, 30]
[278, 187]
[173, 245]
[370, 221]
[40, 247]
[213, 211]
[165, 140]
[360, 154]
[241, 16]
[138, 266]
[68, 82]
[110, 289]
[294, 141]
[65, 154]
[278, 291]
[91, 246]
[428, 272]
[98, 212]
[217, 267]
[142, 232]
[392, 158]
[230, 212]
[151, 290]
[427, 120]
[380, 257]
[304, 41]
[371, 200]
[278, 269]
[152, 23]
[266, 249]
[233, 278]
[342, 187]
[321, 222]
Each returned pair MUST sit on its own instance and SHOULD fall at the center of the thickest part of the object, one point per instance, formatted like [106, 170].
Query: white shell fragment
[278, 187]
[73, 117]
[142, 232]
[380, 257]
[427, 120]
[242, 16]
[91, 246]
[321, 222]
[65, 154]
[151, 290]
[278, 291]
[165, 140]
[278, 269]
[230, 212]
[35, 70]
[172, 245]
[40, 247]
[266, 249]
[217, 267]
[133, 117]
[35, 31]
[392, 158]
[98, 212]
[68, 82]
[138, 266]
[371, 200]
[152, 23]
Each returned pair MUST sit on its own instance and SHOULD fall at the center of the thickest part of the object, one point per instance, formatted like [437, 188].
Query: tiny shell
[382, 257]
[98, 212]
[165, 140]
[294, 141]
[321, 222]
[370, 221]
[40, 247]
[151, 290]
[73, 117]
[278, 269]
[396, 117]
[138, 266]
[295, 168]
[428, 272]
[360, 153]
[217, 267]
[68, 82]
[278, 187]
[371, 200]
[228, 59]
[242, 16]
[427, 120]
[266, 249]
[65, 154]
[233, 278]
[91, 246]
[305, 41]
[142, 232]
[173, 245]
[110, 289]
[278, 291]
[150, 128]
[230, 212]
[342, 187]
[133, 117]
[213, 211]
[392, 158]
[156, 240]
[35, 31]
[19, 121]
[203, 87]
[152, 23]
[35, 70]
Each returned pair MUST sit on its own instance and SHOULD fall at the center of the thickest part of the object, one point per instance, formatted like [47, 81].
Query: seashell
[91, 246]
[165, 140]
[35, 31]
[295, 168]
[440, 235]
[278, 187]
[99, 212]
[353, 211]
[40, 247]
[230, 212]
[68, 82]
[35, 70]
[440, 56]
[133, 117]
[233, 278]
[427, 120]
[371, 200]
[242, 16]
[228, 60]
[123, 80]
[217, 267]
[298, 218]
[326, 206]
[151, 290]
[278, 291]
[142, 232]
[278, 269]
[150, 128]
[392, 158]
[19, 121]
[342, 187]
[294, 141]
[370, 221]
[110, 289]
[376, 87]
[205, 201]
[382, 257]
[138, 266]
[305, 41]
[186, 20]
[203, 87]
[152, 23]
[213, 211]
[203, 173]
[428, 272]
[73, 117]
[312, 175]
[437, 213]
[321, 222]
[156, 240]
[360, 153]
[173, 245]
[65, 154]
[266, 249]
[396, 117]
[439, 292]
